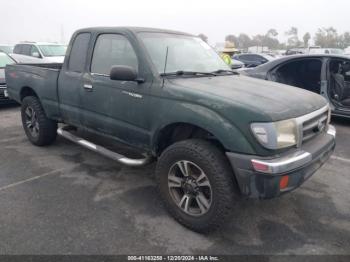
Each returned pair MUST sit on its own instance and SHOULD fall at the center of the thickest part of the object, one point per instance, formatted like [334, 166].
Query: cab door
[116, 108]
[70, 82]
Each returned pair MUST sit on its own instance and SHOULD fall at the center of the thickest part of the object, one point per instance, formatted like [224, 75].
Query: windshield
[6, 49]
[185, 53]
[268, 57]
[53, 50]
[5, 60]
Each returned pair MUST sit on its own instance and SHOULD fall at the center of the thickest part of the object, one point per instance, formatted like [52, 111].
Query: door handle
[88, 86]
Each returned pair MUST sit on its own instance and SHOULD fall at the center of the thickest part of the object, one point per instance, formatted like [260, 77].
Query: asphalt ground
[64, 199]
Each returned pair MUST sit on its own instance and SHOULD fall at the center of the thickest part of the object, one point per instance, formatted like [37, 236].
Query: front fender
[228, 135]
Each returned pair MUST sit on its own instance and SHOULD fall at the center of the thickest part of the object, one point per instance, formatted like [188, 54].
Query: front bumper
[4, 98]
[298, 165]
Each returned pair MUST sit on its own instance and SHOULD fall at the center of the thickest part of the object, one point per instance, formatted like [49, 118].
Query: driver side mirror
[124, 73]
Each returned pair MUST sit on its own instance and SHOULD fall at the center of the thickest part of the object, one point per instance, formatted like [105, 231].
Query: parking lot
[64, 199]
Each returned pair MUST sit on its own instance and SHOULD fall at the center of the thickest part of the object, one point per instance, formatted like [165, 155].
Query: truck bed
[44, 65]
[40, 78]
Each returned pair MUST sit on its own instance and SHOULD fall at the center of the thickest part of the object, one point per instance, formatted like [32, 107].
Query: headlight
[276, 135]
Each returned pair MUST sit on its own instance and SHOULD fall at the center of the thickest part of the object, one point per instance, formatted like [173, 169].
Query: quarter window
[111, 50]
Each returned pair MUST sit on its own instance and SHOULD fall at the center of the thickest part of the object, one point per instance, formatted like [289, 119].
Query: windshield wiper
[225, 71]
[188, 73]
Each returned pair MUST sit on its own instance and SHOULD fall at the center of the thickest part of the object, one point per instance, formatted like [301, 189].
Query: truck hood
[276, 101]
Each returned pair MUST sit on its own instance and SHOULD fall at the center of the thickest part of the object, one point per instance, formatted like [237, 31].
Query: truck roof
[132, 30]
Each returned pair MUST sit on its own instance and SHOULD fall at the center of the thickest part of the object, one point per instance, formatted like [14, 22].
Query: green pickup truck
[216, 135]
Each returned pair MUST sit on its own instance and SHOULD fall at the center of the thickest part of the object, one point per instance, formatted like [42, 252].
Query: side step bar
[64, 132]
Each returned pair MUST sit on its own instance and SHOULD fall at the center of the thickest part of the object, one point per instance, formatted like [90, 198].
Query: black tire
[40, 130]
[213, 162]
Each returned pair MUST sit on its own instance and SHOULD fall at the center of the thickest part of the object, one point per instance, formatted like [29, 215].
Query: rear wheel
[196, 183]
[39, 129]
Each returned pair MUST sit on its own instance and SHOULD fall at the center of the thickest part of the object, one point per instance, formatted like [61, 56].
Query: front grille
[314, 126]
[2, 94]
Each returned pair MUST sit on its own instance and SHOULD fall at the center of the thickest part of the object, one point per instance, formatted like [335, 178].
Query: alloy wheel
[31, 121]
[190, 188]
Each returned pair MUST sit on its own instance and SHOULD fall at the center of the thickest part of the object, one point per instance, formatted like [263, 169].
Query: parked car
[311, 48]
[295, 51]
[253, 60]
[24, 59]
[47, 52]
[235, 64]
[8, 49]
[216, 134]
[327, 75]
[332, 51]
[4, 60]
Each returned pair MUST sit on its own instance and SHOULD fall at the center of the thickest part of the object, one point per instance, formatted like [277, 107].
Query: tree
[271, 43]
[292, 31]
[346, 40]
[306, 39]
[203, 37]
[328, 37]
[232, 39]
[244, 41]
[272, 33]
[258, 40]
[293, 40]
[270, 39]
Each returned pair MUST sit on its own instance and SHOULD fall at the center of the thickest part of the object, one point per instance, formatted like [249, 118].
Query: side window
[78, 52]
[111, 50]
[34, 51]
[247, 57]
[26, 50]
[17, 49]
[261, 59]
[242, 57]
[255, 58]
[339, 66]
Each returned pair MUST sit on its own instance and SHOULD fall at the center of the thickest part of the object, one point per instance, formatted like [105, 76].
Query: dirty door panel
[117, 108]
[70, 80]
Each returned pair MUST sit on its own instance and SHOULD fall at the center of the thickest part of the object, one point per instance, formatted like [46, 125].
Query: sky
[48, 20]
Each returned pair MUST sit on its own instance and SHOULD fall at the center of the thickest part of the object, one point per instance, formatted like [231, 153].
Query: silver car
[4, 60]
[46, 52]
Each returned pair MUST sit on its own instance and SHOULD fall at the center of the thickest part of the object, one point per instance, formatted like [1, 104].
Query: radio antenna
[166, 58]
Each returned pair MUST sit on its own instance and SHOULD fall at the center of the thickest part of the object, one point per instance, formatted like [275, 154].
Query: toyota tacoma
[216, 135]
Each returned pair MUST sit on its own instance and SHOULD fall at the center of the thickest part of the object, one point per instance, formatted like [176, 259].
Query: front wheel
[196, 183]
[39, 129]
